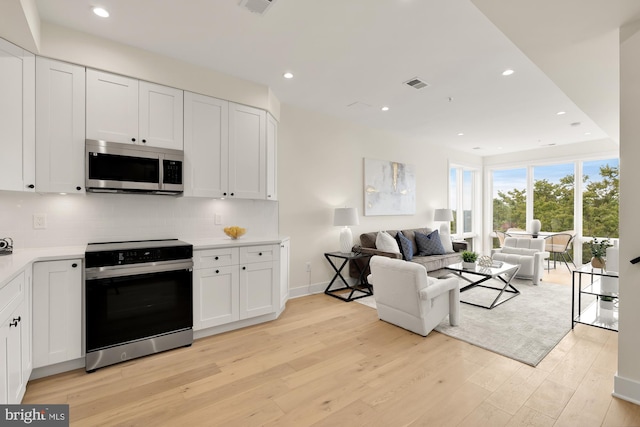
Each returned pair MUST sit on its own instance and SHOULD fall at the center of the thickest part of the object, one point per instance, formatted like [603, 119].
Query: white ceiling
[361, 51]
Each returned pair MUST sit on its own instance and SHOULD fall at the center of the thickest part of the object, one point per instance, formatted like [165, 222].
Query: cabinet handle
[224, 194]
[231, 194]
[74, 265]
[260, 253]
[13, 324]
[78, 188]
[216, 258]
[133, 140]
[217, 271]
[268, 196]
[31, 186]
[144, 141]
[244, 268]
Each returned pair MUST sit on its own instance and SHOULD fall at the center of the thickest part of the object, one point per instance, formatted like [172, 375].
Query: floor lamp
[345, 217]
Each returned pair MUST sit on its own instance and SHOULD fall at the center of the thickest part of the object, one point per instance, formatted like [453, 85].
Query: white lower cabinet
[57, 311]
[232, 284]
[15, 339]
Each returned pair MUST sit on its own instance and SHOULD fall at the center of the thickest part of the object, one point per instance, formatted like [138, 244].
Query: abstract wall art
[389, 188]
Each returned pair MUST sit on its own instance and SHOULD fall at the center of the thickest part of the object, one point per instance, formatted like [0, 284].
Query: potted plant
[469, 259]
[599, 251]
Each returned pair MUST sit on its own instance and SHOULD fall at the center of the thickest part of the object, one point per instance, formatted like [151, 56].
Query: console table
[593, 281]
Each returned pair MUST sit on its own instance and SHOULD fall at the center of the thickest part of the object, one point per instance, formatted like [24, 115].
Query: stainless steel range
[138, 299]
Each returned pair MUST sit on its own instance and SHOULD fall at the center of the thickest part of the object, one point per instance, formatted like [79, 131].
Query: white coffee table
[501, 270]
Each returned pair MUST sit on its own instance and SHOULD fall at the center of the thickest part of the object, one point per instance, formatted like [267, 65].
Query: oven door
[133, 302]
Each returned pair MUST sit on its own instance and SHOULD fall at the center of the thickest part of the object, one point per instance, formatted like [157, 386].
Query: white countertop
[11, 265]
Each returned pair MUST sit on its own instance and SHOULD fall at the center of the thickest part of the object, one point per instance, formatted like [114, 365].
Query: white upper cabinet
[161, 116]
[112, 107]
[122, 109]
[17, 118]
[206, 145]
[60, 126]
[247, 152]
[272, 158]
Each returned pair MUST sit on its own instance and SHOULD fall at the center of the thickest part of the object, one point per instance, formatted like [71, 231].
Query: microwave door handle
[161, 183]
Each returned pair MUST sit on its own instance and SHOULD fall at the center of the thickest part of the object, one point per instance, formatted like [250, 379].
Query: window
[509, 199]
[463, 201]
[600, 202]
[553, 196]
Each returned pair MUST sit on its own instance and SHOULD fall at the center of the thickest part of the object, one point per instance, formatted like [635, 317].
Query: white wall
[321, 167]
[77, 220]
[627, 380]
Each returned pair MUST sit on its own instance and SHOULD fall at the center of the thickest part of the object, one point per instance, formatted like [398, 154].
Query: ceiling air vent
[416, 83]
[257, 6]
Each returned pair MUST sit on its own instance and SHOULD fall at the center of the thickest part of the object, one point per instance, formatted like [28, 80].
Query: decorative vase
[609, 285]
[468, 265]
[597, 262]
[606, 306]
[536, 226]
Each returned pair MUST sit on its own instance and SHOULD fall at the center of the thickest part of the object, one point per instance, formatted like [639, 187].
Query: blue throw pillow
[429, 244]
[406, 247]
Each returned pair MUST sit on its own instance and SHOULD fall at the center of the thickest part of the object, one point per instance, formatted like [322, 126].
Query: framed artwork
[389, 188]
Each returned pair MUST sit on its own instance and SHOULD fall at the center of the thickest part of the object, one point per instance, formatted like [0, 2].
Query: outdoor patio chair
[560, 244]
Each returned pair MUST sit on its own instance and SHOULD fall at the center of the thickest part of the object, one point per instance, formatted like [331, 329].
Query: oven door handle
[136, 269]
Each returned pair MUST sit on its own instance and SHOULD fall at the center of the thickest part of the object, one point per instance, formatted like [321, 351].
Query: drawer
[262, 253]
[208, 258]
[11, 296]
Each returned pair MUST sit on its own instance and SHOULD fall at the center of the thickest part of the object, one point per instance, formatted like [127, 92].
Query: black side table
[363, 288]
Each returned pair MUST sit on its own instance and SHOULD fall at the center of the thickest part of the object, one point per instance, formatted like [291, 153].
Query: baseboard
[303, 291]
[626, 389]
[58, 368]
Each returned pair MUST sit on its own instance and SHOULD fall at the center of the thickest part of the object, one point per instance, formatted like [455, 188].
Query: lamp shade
[443, 215]
[345, 216]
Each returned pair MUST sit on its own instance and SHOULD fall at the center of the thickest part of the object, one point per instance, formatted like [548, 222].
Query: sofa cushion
[445, 238]
[429, 244]
[411, 235]
[518, 251]
[386, 243]
[406, 247]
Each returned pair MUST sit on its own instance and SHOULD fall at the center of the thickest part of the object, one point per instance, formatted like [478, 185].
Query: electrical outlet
[308, 266]
[217, 219]
[39, 221]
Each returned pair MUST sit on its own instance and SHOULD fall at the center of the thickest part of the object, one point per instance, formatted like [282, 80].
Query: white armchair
[406, 297]
[528, 253]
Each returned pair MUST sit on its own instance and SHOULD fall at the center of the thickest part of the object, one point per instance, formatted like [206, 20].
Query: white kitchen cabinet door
[206, 146]
[272, 158]
[258, 288]
[14, 331]
[17, 118]
[161, 116]
[112, 107]
[57, 311]
[60, 128]
[215, 296]
[285, 247]
[247, 152]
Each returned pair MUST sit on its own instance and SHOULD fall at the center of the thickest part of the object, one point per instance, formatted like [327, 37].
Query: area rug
[525, 328]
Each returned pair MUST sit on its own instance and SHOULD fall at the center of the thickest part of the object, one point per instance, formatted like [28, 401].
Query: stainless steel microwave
[111, 167]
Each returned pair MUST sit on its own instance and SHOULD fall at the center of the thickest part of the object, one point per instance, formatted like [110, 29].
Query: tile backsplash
[78, 219]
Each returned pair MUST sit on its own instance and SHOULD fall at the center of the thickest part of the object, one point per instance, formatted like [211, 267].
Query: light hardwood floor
[325, 362]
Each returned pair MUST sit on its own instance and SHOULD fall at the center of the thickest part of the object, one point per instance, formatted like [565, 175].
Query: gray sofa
[433, 263]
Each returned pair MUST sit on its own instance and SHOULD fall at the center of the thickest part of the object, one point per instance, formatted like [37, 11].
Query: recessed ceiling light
[385, 108]
[508, 72]
[101, 12]
[587, 133]
[287, 75]
[559, 113]
[461, 134]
